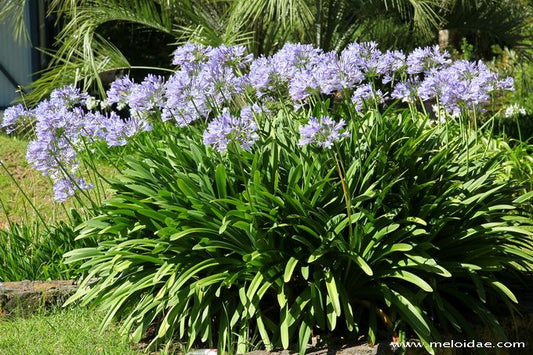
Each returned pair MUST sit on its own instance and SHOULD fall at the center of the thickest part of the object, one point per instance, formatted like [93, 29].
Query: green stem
[246, 187]
[25, 196]
[4, 208]
[347, 201]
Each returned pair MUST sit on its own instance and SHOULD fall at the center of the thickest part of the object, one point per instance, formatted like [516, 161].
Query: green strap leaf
[412, 278]
[220, 180]
[331, 286]
[498, 285]
[289, 269]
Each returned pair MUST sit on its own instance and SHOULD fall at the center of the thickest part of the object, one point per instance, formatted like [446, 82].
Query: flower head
[406, 91]
[324, 132]
[146, 95]
[13, 115]
[366, 95]
[227, 129]
[424, 59]
[69, 96]
[66, 187]
[190, 55]
[119, 91]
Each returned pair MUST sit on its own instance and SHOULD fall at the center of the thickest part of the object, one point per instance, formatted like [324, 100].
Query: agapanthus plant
[228, 129]
[232, 202]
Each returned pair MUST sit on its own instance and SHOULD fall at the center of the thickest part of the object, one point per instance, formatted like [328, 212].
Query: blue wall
[16, 60]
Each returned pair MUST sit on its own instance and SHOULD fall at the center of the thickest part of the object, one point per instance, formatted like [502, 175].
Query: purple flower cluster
[406, 91]
[227, 129]
[366, 95]
[462, 85]
[140, 98]
[206, 79]
[147, 95]
[371, 76]
[66, 187]
[13, 116]
[323, 132]
[61, 125]
[422, 60]
[119, 91]
[291, 68]
[70, 96]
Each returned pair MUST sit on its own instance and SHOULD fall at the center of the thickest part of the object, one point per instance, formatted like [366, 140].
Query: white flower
[514, 110]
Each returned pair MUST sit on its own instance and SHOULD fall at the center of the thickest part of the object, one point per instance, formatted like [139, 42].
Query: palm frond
[76, 70]
[13, 13]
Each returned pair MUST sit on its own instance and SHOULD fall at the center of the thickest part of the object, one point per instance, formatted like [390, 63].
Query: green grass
[66, 331]
[37, 187]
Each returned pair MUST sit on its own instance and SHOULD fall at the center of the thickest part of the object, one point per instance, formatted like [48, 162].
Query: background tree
[100, 38]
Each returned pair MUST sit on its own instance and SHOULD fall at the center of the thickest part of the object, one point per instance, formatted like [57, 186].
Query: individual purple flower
[13, 116]
[424, 59]
[119, 91]
[366, 95]
[227, 129]
[323, 132]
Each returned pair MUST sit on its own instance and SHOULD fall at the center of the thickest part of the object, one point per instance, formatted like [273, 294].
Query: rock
[358, 349]
[26, 297]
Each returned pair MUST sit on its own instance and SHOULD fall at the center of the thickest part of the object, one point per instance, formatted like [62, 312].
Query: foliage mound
[399, 229]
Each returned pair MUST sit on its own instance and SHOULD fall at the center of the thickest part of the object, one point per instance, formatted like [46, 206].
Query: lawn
[63, 331]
